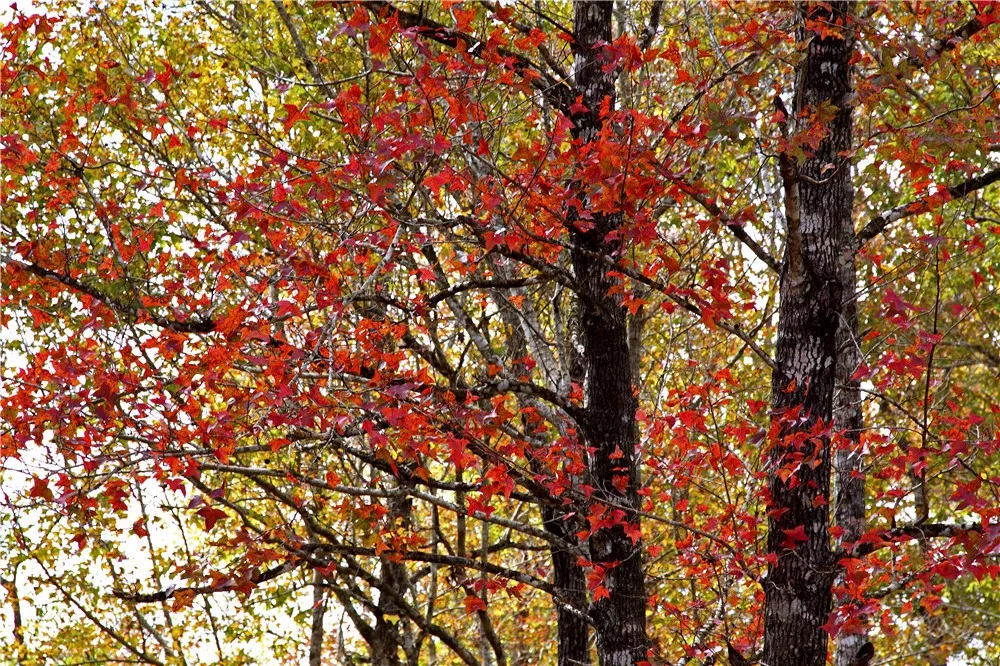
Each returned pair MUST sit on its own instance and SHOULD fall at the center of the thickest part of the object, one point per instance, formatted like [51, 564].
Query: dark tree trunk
[389, 637]
[819, 201]
[620, 619]
[569, 577]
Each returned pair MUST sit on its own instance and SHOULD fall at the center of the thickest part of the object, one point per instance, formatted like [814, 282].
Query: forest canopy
[500, 333]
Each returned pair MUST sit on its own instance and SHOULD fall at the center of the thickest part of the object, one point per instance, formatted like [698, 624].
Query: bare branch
[301, 50]
[924, 204]
[169, 592]
[920, 532]
[468, 285]
[122, 308]
[649, 32]
[950, 41]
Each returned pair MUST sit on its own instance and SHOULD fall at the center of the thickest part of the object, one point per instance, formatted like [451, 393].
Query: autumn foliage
[500, 333]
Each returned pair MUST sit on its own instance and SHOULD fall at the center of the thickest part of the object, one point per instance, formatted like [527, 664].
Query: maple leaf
[294, 114]
[211, 515]
[139, 528]
[182, 599]
[634, 532]
[40, 489]
[794, 537]
[474, 604]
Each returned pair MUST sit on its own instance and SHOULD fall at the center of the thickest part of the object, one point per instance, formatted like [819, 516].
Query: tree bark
[848, 420]
[572, 628]
[620, 618]
[819, 199]
[316, 632]
[389, 637]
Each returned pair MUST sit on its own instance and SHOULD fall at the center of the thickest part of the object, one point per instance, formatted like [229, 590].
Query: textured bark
[620, 620]
[849, 486]
[569, 577]
[316, 633]
[798, 586]
[389, 638]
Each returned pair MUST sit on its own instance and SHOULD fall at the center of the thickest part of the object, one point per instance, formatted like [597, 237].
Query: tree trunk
[316, 632]
[620, 618]
[849, 486]
[389, 637]
[570, 579]
[573, 631]
[819, 201]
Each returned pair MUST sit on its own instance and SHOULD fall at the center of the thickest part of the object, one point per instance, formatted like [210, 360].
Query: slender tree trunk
[573, 632]
[20, 651]
[620, 619]
[569, 577]
[819, 202]
[848, 419]
[316, 632]
[389, 637]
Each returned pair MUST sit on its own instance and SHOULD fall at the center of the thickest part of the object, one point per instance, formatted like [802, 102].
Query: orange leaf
[474, 603]
[295, 114]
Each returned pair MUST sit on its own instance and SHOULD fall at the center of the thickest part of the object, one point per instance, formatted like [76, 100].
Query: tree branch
[920, 532]
[558, 93]
[951, 40]
[126, 309]
[649, 32]
[929, 56]
[924, 204]
[714, 210]
[484, 283]
[169, 592]
[737, 230]
[303, 53]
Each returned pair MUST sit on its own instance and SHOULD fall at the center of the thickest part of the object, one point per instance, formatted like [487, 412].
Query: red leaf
[40, 488]
[794, 537]
[295, 114]
[211, 516]
[163, 78]
[633, 532]
[279, 443]
[473, 604]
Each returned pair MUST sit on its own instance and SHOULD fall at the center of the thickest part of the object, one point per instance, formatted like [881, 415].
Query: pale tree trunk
[20, 650]
[573, 632]
[848, 419]
[316, 633]
[819, 201]
[620, 620]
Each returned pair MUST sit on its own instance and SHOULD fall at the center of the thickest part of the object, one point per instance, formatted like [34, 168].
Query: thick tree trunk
[798, 587]
[620, 619]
